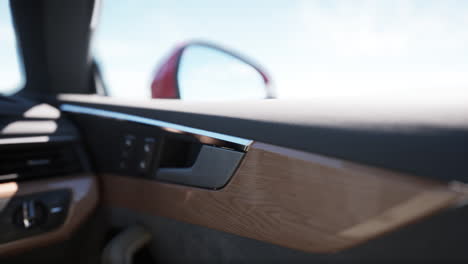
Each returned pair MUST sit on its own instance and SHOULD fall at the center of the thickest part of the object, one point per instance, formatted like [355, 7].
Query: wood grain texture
[83, 201]
[294, 199]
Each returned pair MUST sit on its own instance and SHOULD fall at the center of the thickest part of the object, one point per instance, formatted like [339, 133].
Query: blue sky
[331, 48]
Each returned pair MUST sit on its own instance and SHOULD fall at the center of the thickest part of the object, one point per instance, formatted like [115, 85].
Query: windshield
[344, 48]
[11, 79]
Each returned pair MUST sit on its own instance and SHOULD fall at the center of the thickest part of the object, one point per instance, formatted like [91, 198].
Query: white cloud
[374, 48]
[382, 29]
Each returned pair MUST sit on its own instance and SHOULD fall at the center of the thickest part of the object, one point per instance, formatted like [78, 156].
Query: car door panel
[296, 199]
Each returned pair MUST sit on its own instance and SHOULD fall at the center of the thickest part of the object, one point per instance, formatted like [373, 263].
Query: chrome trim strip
[35, 139]
[11, 176]
[153, 122]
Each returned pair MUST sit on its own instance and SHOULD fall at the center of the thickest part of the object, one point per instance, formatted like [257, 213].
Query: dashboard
[46, 185]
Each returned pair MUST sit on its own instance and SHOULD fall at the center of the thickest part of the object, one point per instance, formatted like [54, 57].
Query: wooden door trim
[292, 198]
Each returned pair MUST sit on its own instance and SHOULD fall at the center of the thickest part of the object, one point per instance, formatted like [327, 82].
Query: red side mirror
[199, 70]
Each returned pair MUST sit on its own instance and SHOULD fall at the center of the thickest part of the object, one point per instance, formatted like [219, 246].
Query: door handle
[212, 169]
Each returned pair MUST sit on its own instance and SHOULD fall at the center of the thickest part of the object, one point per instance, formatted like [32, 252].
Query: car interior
[88, 178]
